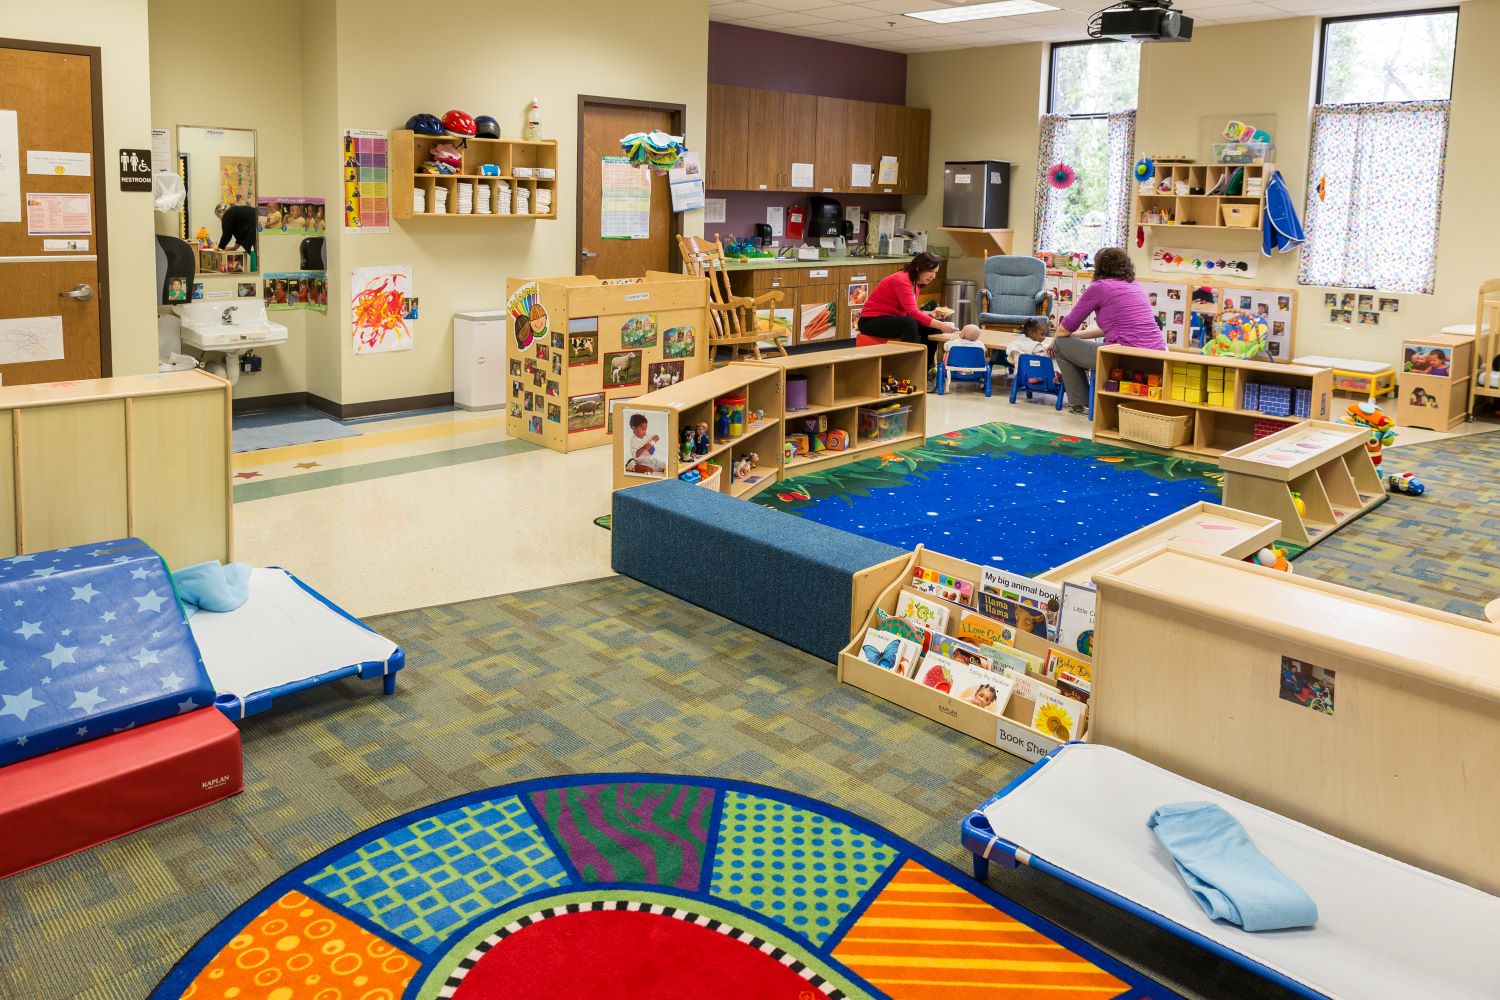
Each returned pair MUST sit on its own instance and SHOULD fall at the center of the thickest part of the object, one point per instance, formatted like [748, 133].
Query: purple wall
[769, 60]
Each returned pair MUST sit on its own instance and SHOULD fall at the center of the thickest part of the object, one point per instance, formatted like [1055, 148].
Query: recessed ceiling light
[983, 11]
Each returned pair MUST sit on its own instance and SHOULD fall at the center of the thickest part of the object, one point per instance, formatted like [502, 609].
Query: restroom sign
[135, 170]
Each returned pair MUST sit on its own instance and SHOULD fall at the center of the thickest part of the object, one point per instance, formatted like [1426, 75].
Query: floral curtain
[1095, 211]
[1374, 195]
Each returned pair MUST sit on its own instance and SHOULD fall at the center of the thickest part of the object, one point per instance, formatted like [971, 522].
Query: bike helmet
[458, 123]
[425, 124]
[487, 127]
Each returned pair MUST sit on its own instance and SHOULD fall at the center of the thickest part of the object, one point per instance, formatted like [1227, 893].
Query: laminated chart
[367, 176]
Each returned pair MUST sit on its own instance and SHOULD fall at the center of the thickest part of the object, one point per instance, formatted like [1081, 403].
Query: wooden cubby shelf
[409, 151]
[1197, 207]
[1213, 428]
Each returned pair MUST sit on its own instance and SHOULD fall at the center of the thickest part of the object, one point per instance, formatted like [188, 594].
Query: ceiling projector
[1142, 21]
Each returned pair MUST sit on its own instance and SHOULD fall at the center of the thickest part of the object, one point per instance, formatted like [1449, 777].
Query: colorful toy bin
[729, 415]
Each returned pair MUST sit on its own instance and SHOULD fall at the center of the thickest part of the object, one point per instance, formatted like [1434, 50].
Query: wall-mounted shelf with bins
[409, 151]
[1219, 196]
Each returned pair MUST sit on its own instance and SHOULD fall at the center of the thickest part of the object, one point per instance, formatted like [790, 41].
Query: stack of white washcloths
[440, 200]
[523, 201]
[482, 200]
[502, 198]
[543, 201]
[465, 198]
[419, 200]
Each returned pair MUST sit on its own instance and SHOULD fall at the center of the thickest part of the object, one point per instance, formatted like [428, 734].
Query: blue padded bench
[781, 575]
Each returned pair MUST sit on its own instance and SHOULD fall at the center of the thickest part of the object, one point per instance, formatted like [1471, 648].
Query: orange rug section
[300, 948]
[925, 937]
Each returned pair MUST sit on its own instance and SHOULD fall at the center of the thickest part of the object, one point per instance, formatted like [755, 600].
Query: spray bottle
[534, 121]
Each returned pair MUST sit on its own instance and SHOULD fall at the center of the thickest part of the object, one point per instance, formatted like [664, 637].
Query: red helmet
[458, 123]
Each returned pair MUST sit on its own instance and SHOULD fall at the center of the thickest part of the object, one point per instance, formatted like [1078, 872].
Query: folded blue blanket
[212, 586]
[1230, 879]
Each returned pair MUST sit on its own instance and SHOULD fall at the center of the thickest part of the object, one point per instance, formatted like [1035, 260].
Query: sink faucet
[228, 315]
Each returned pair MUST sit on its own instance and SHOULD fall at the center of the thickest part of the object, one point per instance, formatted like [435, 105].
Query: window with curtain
[1090, 127]
[1379, 135]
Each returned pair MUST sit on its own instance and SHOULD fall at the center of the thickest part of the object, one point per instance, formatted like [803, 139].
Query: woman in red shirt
[891, 311]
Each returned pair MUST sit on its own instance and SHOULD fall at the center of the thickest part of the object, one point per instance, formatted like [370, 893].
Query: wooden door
[833, 159]
[602, 123]
[51, 216]
[861, 143]
[726, 139]
[916, 123]
[799, 137]
[765, 168]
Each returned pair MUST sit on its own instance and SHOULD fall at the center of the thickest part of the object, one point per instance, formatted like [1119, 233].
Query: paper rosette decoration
[656, 150]
[1061, 176]
[1145, 169]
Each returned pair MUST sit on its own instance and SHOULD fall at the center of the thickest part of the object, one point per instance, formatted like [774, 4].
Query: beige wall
[1183, 90]
[597, 47]
[118, 28]
[269, 101]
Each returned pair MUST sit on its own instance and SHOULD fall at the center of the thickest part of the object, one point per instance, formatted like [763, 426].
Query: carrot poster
[383, 308]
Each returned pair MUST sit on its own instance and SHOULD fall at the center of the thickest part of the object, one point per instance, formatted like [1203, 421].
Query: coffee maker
[827, 222]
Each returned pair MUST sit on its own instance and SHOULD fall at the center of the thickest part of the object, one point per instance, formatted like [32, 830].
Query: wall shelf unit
[1325, 465]
[1198, 196]
[1214, 429]
[409, 151]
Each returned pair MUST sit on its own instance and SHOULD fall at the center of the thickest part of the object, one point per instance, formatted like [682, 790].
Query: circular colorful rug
[622, 886]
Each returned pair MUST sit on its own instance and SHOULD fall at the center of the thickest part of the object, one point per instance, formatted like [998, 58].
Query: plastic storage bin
[882, 424]
[1244, 152]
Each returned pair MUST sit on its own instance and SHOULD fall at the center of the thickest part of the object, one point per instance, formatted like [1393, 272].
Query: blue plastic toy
[1406, 483]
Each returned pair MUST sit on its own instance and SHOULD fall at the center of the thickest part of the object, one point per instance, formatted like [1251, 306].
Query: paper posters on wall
[381, 304]
[528, 316]
[890, 169]
[161, 151]
[281, 215]
[58, 215]
[367, 178]
[776, 219]
[296, 290]
[714, 209]
[31, 338]
[802, 175]
[1179, 260]
[685, 181]
[1274, 307]
[1169, 305]
[237, 180]
[10, 168]
[860, 175]
[58, 163]
[625, 200]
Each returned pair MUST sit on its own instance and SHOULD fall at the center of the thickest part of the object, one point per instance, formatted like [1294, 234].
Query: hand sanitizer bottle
[534, 121]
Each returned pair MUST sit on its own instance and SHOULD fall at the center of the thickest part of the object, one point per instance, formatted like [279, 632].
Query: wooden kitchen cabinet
[754, 136]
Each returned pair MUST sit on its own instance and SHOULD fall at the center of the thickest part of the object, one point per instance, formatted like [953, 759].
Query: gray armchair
[1014, 291]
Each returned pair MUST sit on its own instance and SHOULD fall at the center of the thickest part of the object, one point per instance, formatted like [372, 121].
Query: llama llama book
[1045, 597]
[1019, 616]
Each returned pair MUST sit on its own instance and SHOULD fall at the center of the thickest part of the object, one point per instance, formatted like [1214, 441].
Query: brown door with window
[602, 123]
[53, 302]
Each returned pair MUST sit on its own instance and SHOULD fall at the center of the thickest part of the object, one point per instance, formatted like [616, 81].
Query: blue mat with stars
[92, 642]
[1000, 495]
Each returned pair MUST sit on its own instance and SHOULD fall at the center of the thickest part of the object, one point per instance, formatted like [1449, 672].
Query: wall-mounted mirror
[218, 167]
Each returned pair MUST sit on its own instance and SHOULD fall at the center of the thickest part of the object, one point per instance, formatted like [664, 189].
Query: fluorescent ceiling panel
[982, 12]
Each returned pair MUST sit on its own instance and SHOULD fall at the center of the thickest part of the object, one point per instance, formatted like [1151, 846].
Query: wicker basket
[1160, 430]
[1241, 216]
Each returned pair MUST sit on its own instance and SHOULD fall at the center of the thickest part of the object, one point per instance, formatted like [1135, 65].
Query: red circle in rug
[625, 953]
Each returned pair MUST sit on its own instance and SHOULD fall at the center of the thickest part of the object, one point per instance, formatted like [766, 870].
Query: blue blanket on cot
[212, 586]
[1225, 872]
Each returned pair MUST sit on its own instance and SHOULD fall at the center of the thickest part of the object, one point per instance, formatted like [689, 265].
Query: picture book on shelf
[938, 672]
[956, 649]
[1076, 669]
[926, 613]
[1024, 590]
[983, 689]
[1075, 630]
[1059, 717]
[1024, 685]
[949, 588]
[903, 627]
[1008, 657]
[1013, 613]
[985, 631]
[889, 652]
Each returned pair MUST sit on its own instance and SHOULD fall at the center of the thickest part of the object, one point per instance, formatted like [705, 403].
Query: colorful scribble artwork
[378, 305]
[237, 180]
[528, 315]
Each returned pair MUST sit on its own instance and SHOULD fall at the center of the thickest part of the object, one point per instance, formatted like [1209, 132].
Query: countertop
[774, 264]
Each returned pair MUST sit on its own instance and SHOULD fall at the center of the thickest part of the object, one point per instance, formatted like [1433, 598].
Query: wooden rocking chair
[736, 322]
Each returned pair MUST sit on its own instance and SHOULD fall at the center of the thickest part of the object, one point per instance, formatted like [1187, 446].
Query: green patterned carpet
[1441, 550]
[608, 675]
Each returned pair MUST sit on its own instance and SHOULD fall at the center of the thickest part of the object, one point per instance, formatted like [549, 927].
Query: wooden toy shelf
[1158, 209]
[1213, 429]
[840, 382]
[1323, 463]
[409, 151]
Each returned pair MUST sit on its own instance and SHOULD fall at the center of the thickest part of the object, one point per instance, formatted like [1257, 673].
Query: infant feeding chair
[964, 363]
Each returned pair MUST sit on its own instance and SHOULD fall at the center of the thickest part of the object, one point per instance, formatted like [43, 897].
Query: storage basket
[882, 424]
[1241, 216]
[1160, 430]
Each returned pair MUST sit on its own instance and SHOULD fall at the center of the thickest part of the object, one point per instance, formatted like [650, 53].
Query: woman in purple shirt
[1122, 315]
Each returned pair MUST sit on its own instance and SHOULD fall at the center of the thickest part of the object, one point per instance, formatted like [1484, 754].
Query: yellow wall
[1184, 87]
[118, 28]
[596, 47]
[266, 97]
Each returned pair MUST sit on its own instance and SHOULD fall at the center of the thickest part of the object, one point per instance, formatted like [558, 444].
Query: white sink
[228, 325]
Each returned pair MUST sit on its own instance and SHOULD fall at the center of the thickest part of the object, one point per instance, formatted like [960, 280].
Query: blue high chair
[1039, 367]
[964, 363]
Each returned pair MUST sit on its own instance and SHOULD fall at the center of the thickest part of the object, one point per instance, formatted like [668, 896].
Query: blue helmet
[486, 127]
[425, 124]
